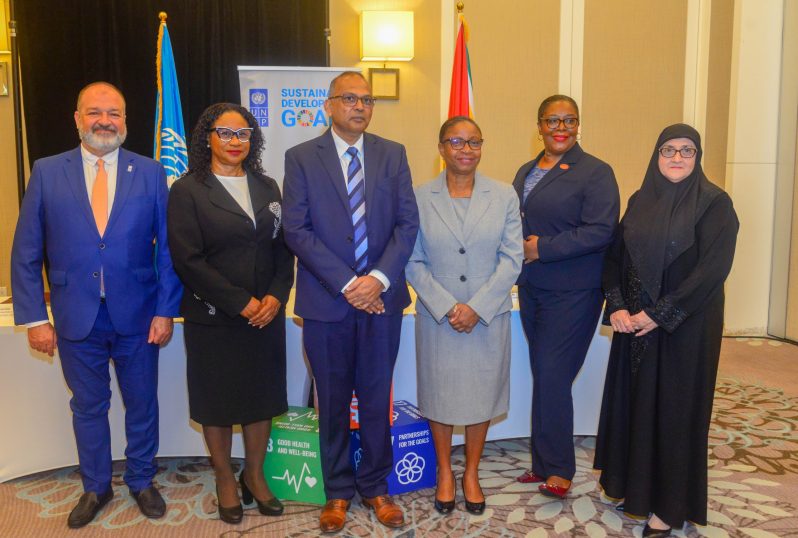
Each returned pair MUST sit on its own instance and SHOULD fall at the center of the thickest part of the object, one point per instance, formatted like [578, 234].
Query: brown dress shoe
[333, 515]
[89, 504]
[150, 502]
[388, 512]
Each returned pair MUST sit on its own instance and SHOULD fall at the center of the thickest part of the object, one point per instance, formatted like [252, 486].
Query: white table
[37, 424]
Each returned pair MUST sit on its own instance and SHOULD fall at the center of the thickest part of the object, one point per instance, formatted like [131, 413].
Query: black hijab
[660, 223]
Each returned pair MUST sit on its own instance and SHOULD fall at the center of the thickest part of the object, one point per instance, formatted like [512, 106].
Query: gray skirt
[463, 378]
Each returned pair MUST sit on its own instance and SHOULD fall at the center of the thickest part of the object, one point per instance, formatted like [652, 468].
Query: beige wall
[633, 81]
[8, 169]
[751, 160]
[506, 97]
[414, 119]
[784, 306]
[717, 124]
[513, 70]
[791, 324]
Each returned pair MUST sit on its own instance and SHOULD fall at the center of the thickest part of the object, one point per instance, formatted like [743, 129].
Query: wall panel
[633, 82]
[514, 66]
[8, 167]
[413, 119]
[717, 122]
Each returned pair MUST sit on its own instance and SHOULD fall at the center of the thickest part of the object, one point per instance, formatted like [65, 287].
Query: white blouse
[238, 187]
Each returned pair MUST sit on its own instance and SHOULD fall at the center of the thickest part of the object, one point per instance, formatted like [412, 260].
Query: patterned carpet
[753, 466]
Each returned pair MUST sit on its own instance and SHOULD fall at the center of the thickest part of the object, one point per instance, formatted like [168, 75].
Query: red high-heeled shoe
[529, 477]
[551, 490]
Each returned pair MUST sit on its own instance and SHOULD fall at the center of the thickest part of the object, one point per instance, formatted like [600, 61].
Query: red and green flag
[461, 96]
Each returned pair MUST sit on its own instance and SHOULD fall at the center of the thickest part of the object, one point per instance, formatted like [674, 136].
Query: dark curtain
[65, 45]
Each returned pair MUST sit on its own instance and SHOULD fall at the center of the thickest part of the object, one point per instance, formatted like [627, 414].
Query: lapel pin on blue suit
[130, 168]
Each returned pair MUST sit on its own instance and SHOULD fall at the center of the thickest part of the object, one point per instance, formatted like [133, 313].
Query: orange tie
[99, 197]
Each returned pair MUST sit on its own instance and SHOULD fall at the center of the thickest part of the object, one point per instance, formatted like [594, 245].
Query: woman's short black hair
[199, 153]
[553, 99]
[454, 121]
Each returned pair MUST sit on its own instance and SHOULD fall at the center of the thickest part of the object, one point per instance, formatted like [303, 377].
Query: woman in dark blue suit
[569, 209]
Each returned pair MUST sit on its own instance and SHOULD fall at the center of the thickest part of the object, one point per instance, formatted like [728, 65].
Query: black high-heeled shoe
[229, 514]
[271, 507]
[648, 532]
[444, 507]
[472, 507]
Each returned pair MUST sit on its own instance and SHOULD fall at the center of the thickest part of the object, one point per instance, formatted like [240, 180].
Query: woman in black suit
[226, 239]
[569, 210]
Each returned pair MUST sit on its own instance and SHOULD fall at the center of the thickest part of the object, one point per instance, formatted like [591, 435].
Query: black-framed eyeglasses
[670, 151]
[554, 122]
[226, 134]
[459, 143]
[350, 99]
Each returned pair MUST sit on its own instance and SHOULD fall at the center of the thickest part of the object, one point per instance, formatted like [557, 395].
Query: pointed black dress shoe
[272, 507]
[444, 507]
[89, 504]
[648, 532]
[150, 502]
[472, 507]
[229, 514]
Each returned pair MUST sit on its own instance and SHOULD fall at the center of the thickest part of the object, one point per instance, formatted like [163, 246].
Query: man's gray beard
[103, 144]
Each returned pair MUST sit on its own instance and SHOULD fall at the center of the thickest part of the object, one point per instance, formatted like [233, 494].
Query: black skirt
[236, 374]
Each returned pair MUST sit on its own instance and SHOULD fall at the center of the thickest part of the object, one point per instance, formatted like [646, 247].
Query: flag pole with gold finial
[162, 16]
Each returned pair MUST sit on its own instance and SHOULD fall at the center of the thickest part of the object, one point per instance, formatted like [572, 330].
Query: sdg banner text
[288, 103]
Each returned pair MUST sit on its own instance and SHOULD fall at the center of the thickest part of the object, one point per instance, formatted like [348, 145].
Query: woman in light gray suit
[467, 256]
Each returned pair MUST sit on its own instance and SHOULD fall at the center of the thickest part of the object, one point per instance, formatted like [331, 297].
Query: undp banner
[288, 103]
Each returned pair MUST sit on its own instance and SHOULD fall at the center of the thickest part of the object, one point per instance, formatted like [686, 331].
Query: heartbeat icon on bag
[297, 483]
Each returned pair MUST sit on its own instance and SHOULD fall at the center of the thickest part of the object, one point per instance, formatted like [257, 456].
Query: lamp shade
[386, 36]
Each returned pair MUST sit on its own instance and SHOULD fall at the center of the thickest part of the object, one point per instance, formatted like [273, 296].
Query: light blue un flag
[170, 135]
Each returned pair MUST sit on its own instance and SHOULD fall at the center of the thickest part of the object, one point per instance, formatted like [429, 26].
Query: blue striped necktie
[356, 187]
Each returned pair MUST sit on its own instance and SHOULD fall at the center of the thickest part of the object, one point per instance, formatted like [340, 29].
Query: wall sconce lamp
[386, 36]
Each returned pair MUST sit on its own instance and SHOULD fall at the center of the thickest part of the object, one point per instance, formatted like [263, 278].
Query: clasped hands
[639, 323]
[462, 318]
[261, 313]
[364, 294]
[531, 248]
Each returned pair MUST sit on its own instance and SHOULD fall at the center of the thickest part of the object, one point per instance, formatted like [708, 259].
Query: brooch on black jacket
[274, 207]
[211, 308]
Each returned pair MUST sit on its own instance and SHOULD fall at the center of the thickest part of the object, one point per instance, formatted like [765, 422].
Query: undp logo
[409, 469]
[258, 97]
[259, 105]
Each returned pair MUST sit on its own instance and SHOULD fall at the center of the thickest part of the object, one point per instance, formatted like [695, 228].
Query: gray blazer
[476, 264]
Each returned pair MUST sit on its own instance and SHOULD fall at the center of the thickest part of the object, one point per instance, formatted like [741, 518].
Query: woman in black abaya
[663, 281]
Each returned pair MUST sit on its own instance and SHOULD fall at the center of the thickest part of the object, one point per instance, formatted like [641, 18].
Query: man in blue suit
[350, 216]
[97, 214]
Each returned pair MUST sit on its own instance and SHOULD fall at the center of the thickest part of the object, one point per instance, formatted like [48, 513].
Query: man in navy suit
[350, 217]
[94, 213]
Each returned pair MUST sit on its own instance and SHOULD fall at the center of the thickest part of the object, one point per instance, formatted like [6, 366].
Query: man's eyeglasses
[459, 143]
[226, 134]
[670, 151]
[350, 99]
[553, 122]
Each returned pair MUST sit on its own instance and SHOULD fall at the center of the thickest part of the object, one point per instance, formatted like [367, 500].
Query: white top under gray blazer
[464, 378]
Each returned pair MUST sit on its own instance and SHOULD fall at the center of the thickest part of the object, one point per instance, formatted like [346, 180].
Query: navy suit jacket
[318, 223]
[56, 222]
[574, 210]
